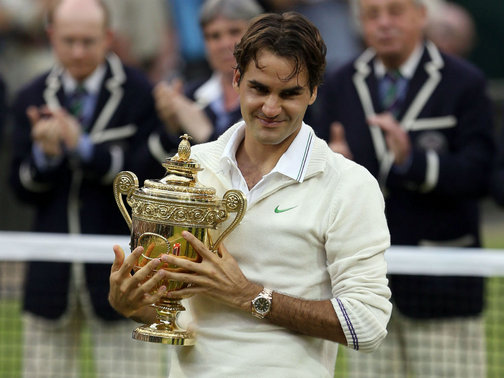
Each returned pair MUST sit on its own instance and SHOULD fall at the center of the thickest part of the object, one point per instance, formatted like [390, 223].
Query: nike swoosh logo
[277, 210]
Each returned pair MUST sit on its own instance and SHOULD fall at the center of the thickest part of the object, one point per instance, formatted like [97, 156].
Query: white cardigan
[330, 245]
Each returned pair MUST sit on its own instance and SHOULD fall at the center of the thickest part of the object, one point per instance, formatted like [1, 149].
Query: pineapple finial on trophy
[184, 148]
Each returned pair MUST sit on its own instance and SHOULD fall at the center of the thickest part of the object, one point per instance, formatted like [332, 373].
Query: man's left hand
[396, 137]
[217, 275]
[71, 130]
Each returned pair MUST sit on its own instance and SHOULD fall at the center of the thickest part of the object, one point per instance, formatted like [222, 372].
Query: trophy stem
[166, 329]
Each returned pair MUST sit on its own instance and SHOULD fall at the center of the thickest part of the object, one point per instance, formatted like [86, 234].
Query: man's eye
[260, 89]
[371, 14]
[212, 36]
[289, 94]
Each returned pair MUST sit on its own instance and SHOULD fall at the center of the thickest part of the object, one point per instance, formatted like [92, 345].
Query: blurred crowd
[173, 51]
[172, 47]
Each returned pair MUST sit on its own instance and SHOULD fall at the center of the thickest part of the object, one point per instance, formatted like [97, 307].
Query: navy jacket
[77, 197]
[497, 183]
[435, 201]
[3, 107]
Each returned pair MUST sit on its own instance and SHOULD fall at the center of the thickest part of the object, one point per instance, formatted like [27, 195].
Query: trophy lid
[180, 181]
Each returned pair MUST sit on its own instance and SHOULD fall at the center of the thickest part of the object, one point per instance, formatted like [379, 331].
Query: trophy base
[160, 333]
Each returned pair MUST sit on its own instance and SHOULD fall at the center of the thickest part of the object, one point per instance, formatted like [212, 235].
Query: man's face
[273, 106]
[80, 42]
[392, 27]
[221, 36]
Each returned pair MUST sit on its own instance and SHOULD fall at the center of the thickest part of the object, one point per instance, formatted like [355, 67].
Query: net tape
[29, 246]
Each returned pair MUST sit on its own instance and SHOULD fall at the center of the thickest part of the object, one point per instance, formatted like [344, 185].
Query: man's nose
[272, 106]
[78, 49]
[384, 19]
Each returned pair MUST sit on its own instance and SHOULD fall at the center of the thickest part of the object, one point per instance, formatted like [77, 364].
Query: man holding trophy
[304, 270]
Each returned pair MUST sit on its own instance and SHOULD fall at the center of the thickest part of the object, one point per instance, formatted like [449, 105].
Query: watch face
[262, 305]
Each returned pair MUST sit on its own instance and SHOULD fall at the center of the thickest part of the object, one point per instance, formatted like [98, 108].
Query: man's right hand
[45, 132]
[130, 294]
[168, 98]
[180, 114]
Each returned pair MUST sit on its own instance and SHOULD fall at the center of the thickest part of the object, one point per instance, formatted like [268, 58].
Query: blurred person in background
[75, 127]
[192, 64]
[24, 48]
[3, 108]
[452, 29]
[421, 122]
[205, 109]
[24, 54]
[152, 48]
[497, 183]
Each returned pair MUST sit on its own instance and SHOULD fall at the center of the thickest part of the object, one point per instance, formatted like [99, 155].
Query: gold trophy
[161, 210]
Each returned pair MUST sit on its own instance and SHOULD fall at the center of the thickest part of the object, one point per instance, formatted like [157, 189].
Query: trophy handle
[235, 202]
[125, 183]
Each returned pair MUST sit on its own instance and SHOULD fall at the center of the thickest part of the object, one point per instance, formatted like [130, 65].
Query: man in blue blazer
[75, 128]
[426, 135]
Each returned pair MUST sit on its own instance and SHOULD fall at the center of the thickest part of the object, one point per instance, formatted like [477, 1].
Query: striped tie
[76, 103]
[393, 88]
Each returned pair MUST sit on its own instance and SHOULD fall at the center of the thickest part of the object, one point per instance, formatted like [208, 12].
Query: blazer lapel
[53, 92]
[367, 89]
[422, 85]
[110, 96]
[364, 83]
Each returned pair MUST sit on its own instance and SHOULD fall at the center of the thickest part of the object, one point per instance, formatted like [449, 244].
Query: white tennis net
[20, 247]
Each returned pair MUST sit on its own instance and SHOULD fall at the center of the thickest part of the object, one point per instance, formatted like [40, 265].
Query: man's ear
[236, 79]
[109, 38]
[313, 96]
[50, 32]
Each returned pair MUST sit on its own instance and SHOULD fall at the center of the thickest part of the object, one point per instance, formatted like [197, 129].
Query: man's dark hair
[289, 35]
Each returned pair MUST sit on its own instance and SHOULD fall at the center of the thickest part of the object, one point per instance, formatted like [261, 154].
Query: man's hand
[71, 130]
[180, 114]
[129, 294]
[338, 142]
[396, 137]
[45, 132]
[217, 275]
[167, 98]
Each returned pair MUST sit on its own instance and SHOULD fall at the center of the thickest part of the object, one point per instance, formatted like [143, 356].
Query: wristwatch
[261, 305]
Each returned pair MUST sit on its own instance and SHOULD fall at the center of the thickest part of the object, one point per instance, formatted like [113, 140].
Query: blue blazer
[434, 201]
[74, 196]
[3, 107]
[497, 182]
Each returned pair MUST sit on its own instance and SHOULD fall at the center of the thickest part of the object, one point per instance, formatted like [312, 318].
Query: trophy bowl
[161, 210]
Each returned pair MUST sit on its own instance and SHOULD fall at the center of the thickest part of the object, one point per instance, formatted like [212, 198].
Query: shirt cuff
[85, 148]
[42, 161]
[404, 167]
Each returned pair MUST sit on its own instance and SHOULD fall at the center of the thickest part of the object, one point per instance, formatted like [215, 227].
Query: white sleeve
[356, 242]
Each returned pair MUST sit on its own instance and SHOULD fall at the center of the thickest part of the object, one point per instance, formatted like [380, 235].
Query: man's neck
[407, 66]
[257, 160]
[394, 62]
